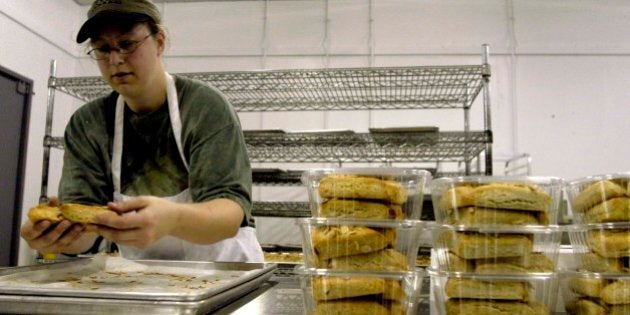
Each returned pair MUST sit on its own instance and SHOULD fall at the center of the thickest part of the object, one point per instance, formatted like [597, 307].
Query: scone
[617, 292]
[85, 214]
[472, 216]
[468, 307]
[456, 197]
[335, 241]
[511, 196]
[476, 246]
[590, 287]
[45, 212]
[360, 187]
[619, 309]
[456, 263]
[585, 307]
[596, 263]
[331, 288]
[357, 209]
[612, 210]
[535, 262]
[394, 291]
[609, 243]
[350, 307]
[383, 260]
[596, 193]
[464, 288]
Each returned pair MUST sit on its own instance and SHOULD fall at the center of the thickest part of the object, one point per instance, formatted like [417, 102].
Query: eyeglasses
[125, 47]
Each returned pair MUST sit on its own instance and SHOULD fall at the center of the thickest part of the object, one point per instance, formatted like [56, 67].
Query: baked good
[394, 291]
[45, 212]
[612, 210]
[456, 263]
[343, 240]
[591, 287]
[358, 209]
[535, 262]
[511, 196]
[383, 260]
[596, 193]
[619, 309]
[609, 243]
[467, 307]
[361, 187]
[478, 245]
[596, 263]
[585, 307]
[284, 257]
[456, 197]
[78, 213]
[464, 288]
[331, 288]
[617, 292]
[481, 216]
[350, 307]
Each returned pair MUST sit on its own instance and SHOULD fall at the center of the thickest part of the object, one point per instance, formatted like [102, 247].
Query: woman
[167, 150]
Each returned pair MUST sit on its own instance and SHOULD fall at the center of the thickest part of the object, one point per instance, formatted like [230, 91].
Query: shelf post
[485, 53]
[43, 197]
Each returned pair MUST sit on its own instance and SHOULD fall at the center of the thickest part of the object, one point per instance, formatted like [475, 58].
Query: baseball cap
[107, 10]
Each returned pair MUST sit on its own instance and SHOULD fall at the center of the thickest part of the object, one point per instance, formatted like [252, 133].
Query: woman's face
[132, 72]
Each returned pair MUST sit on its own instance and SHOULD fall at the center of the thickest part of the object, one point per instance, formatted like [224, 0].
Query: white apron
[243, 247]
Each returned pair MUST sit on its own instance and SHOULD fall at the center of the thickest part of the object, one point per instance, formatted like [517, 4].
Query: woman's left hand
[143, 221]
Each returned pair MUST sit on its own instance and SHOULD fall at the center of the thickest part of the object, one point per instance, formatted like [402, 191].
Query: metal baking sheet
[90, 286]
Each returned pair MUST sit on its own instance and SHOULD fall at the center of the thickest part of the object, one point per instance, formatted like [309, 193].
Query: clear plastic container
[595, 293]
[472, 293]
[337, 292]
[348, 244]
[600, 247]
[496, 200]
[600, 198]
[379, 193]
[497, 249]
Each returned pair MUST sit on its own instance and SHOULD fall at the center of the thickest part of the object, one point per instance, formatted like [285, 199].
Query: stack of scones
[496, 244]
[600, 239]
[361, 244]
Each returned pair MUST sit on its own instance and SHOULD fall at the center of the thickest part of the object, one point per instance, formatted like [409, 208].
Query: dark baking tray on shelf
[276, 176]
[427, 135]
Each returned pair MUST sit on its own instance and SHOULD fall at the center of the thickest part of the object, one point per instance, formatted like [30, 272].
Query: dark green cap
[107, 10]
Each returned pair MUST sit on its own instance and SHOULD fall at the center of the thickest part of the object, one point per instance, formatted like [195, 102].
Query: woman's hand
[143, 221]
[62, 237]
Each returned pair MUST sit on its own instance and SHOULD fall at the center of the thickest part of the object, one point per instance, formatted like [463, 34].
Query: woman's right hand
[53, 238]
[49, 238]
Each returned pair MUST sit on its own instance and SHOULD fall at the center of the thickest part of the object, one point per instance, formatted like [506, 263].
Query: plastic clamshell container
[600, 198]
[600, 247]
[497, 249]
[496, 200]
[472, 293]
[595, 293]
[378, 193]
[358, 292]
[367, 245]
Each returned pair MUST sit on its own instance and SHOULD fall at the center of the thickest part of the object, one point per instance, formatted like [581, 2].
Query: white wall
[559, 68]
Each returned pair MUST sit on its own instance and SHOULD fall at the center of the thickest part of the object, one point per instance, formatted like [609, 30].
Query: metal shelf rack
[326, 89]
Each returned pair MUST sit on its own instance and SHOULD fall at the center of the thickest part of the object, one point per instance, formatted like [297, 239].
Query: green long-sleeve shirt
[212, 141]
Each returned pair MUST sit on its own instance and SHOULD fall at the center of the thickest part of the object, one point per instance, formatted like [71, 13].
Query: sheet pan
[115, 285]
